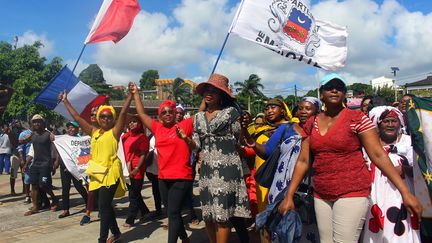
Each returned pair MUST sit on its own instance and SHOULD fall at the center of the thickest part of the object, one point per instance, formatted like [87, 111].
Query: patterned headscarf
[315, 101]
[166, 103]
[379, 113]
[105, 108]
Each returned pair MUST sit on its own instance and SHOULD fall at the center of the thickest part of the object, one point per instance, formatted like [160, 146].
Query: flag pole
[76, 63]
[79, 57]
[220, 52]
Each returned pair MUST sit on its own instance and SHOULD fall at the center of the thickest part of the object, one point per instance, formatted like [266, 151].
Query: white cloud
[29, 37]
[186, 43]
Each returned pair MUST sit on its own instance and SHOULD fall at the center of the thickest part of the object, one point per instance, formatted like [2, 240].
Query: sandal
[64, 214]
[54, 207]
[31, 212]
[126, 225]
[113, 238]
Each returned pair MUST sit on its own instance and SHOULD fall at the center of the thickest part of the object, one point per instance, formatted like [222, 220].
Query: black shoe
[85, 220]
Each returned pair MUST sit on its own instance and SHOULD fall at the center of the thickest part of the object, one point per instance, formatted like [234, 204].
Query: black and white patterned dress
[222, 187]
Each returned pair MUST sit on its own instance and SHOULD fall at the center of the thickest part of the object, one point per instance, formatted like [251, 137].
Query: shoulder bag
[96, 171]
[303, 197]
[265, 173]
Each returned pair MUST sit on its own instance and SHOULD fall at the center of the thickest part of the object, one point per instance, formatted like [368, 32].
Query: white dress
[387, 220]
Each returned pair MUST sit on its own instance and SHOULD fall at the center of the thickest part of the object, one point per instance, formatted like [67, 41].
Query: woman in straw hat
[222, 187]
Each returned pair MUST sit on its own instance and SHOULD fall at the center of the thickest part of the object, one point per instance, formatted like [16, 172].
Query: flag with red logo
[289, 29]
[113, 21]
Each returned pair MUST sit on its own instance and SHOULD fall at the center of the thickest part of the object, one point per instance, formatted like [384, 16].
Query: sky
[182, 38]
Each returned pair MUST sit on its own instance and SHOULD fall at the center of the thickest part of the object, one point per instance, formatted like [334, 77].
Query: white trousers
[341, 220]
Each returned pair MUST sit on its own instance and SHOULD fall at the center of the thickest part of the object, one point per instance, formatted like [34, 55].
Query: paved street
[47, 227]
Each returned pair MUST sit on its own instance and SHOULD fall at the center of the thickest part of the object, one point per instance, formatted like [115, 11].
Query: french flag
[80, 95]
[113, 21]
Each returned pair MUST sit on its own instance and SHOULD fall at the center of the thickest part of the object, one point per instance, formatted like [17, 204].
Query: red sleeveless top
[339, 167]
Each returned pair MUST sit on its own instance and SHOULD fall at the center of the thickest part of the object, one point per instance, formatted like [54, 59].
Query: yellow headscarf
[104, 108]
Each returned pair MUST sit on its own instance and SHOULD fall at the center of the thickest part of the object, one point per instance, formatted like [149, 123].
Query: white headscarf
[376, 113]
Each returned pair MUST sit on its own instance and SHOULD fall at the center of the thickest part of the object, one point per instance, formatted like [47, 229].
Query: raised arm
[300, 170]
[146, 119]
[378, 156]
[85, 126]
[118, 127]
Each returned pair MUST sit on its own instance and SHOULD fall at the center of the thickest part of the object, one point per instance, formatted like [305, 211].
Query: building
[382, 82]
[420, 88]
[164, 87]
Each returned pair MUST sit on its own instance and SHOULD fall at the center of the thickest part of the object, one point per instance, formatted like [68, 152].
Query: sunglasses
[338, 86]
[106, 117]
[164, 112]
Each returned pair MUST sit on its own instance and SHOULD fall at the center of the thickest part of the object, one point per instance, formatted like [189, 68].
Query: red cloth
[135, 145]
[251, 191]
[249, 152]
[173, 152]
[339, 167]
[166, 103]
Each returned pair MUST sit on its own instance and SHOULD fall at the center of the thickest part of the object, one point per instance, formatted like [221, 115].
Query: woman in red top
[135, 146]
[341, 180]
[173, 142]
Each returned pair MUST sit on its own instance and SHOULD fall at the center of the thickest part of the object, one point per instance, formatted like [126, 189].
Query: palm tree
[250, 88]
[180, 91]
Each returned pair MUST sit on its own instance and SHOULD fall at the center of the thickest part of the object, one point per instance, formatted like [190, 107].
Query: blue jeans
[5, 163]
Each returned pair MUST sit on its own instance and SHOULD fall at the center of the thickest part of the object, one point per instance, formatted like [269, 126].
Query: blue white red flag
[113, 21]
[80, 95]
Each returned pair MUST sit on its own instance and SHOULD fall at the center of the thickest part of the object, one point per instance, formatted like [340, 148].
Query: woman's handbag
[303, 197]
[304, 202]
[265, 173]
[96, 171]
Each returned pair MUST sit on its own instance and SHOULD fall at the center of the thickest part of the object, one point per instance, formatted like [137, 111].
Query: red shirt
[173, 152]
[135, 145]
[339, 167]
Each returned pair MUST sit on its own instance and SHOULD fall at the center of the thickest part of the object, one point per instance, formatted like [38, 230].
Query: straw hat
[217, 81]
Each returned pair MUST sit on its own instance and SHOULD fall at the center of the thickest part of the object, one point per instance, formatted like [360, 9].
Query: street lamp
[394, 70]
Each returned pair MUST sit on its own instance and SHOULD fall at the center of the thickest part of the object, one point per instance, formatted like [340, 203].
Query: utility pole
[15, 42]
[249, 104]
[295, 94]
[394, 70]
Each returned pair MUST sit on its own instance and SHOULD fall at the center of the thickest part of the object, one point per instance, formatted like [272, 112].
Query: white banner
[75, 153]
[288, 28]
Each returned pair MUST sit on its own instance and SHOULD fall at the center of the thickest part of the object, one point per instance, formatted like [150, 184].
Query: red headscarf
[166, 103]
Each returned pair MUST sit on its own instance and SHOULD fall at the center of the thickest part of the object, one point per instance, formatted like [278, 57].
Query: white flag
[288, 28]
[75, 153]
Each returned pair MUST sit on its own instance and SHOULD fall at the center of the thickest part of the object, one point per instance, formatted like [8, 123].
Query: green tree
[147, 81]
[180, 91]
[28, 73]
[388, 93]
[249, 91]
[92, 75]
[312, 93]
[291, 101]
[359, 88]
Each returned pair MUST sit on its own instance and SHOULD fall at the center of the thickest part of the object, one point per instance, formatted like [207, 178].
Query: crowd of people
[361, 163]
